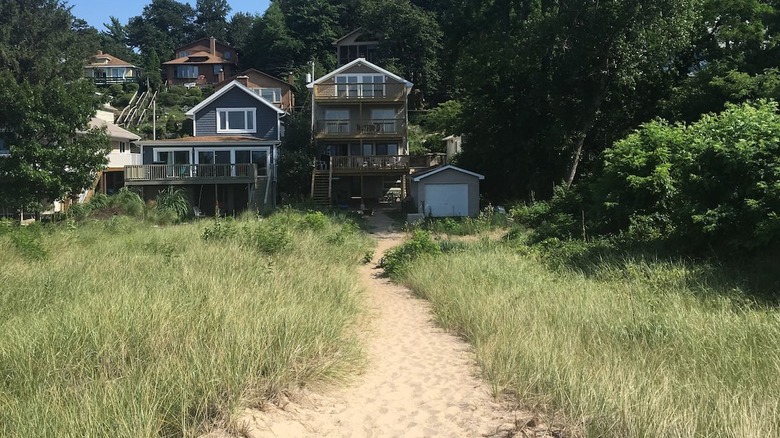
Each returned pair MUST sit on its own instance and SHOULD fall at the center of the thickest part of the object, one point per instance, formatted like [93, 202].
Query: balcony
[358, 92]
[356, 164]
[367, 128]
[108, 80]
[181, 174]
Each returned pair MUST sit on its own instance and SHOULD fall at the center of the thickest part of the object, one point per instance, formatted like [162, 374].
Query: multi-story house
[202, 62]
[105, 68]
[356, 44]
[359, 120]
[123, 152]
[228, 165]
[272, 89]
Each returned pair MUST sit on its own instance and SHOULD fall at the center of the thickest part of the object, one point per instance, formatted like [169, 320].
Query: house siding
[449, 176]
[266, 122]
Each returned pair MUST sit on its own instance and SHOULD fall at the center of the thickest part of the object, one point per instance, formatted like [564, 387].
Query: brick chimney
[243, 80]
[99, 52]
[212, 45]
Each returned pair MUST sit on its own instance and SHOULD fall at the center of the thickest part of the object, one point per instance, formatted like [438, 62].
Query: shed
[446, 191]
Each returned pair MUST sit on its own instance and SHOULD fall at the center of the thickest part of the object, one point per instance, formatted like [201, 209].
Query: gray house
[228, 165]
[445, 191]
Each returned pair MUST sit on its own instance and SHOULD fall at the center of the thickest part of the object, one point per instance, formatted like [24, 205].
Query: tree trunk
[588, 120]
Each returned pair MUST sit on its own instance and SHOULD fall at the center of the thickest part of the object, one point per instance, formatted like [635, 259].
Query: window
[183, 53]
[360, 85]
[117, 72]
[273, 95]
[236, 120]
[227, 55]
[186, 71]
[384, 120]
[258, 157]
[336, 121]
[173, 156]
[217, 69]
[3, 149]
[122, 147]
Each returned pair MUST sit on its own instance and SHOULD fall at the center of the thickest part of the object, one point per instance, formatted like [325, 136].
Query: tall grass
[636, 351]
[132, 330]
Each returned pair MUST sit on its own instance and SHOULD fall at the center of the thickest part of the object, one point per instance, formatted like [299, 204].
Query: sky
[97, 12]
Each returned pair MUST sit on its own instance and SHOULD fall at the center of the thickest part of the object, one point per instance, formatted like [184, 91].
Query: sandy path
[420, 380]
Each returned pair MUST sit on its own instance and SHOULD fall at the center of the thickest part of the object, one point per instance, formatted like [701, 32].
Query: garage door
[443, 200]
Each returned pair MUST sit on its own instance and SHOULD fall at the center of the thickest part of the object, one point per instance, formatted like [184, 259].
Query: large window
[236, 120]
[337, 121]
[360, 85]
[259, 158]
[273, 95]
[384, 120]
[186, 71]
[171, 156]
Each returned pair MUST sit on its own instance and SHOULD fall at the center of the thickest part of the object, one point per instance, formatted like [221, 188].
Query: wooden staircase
[321, 184]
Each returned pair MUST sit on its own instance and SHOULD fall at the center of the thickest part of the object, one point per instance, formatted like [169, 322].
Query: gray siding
[266, 123]
[449, 176]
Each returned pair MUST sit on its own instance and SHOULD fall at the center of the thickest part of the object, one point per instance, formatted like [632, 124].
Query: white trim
[156, 153]
[449, 166]
[225, 89]
[250, 113]
[357, 62]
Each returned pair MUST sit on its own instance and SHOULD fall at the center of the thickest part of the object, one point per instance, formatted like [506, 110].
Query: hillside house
[104, 68]
[270, 88]
[228, 165]
[356, 44]
[201, 62]
[359, 120]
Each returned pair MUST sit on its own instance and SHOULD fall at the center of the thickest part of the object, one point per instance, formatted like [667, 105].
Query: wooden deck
[182, 174]
[365, 164]
[354, 92]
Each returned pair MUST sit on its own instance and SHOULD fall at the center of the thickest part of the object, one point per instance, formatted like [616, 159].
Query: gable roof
[113, 61]
[247, 72]
[223, 90]
[359, 30]
[443, 168]
[360, 61]
[204, 58]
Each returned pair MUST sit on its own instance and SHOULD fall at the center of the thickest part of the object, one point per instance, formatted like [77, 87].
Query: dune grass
[120, 328]
[639, 349]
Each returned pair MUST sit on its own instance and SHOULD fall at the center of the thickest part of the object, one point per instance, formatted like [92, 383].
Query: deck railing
[360, 91]
[369, 162]
[367, 127]
[103, 80]
[191, 172]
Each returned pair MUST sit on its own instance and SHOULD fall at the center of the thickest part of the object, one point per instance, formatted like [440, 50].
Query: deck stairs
[321, 186]
[137, 110]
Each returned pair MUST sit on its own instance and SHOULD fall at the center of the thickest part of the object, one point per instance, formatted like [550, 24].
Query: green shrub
[220, 229]
[167, 99]
[397, 258]
[129, 201]
[28, 241]
[173, 200]
[270, 239]
[99, 200]
[314, 220]
[79, 211]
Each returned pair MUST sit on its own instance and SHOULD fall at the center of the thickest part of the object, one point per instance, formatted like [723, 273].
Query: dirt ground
[420, 380]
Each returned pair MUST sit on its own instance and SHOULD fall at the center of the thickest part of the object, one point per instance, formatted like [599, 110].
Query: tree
[45, 103]
[211, 19]
[409, 40]
[239, 31]
[537, 75]
[162, 26]
[152, 70]
[113, 40]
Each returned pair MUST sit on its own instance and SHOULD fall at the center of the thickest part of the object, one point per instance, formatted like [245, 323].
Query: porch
[182, 174]
[360, 128]
[364, 164]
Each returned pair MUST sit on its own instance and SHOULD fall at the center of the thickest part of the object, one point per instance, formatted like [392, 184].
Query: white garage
[446, 191]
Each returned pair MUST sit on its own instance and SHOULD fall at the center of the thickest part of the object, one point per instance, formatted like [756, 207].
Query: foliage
[28, 243]
[173, 200]
[398, 258]
[710, 185]
[297, 155]
[444, 118]
[211, 19]
[536, 78]
[45, 102]
[658, 335]
[225, 327]
[162, 26]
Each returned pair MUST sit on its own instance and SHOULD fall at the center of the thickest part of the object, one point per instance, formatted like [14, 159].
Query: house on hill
[201, 62]
[359, 120]
[228, 165]
[357, 44]
[104, 68]
[270, 88]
